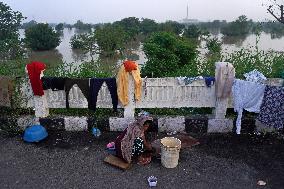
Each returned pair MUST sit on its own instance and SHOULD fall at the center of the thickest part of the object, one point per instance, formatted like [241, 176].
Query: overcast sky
[98, 11]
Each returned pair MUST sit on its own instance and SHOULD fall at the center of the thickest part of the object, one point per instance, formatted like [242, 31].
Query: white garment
[41, 106]
[255, 76]
[38, 102]
[247, 95]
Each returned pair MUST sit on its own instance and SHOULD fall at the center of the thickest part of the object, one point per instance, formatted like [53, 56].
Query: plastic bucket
[170, 147]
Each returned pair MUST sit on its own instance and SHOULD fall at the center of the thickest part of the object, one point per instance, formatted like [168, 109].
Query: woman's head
[144, 122]
[147, 124]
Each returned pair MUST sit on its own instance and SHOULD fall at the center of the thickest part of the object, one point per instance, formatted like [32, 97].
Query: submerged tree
[111, 37]
[238, 27]
[41, 37]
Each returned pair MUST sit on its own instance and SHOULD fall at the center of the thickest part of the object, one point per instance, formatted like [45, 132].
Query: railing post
[221, 106]
[129, 109]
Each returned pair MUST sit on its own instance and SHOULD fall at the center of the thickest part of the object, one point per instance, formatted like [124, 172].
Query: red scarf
[34, 71]
[129, 65]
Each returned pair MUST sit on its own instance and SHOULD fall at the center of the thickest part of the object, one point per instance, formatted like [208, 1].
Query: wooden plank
[117, 162]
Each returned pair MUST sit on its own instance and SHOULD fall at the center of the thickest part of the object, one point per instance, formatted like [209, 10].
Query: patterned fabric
[133, 131]
[41, 106]
[255, 76]
[247, 95]
[225, 76]
[272, 108]
[188, 80]
[138, 147]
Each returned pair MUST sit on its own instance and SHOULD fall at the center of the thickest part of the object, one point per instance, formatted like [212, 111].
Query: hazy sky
[98, 11]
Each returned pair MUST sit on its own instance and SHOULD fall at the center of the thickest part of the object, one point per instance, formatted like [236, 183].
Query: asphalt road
[75, 160]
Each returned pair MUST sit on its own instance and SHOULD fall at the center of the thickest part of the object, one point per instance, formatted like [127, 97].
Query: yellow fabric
[122, 85]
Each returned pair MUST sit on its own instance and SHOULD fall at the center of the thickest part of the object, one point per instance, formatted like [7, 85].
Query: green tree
[82, 26]
[28, 24]
[237, 27]
[171, 26]
[10, 44]
[193, 32]
[148, 26]
[110, 38]
[41, 37]
[86, 42]
[59, 27]
[130, 25]
[167, 54]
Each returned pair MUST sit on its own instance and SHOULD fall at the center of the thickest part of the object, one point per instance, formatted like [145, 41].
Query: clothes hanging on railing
[83, 84]
[209, 81]
[188, 80]
[6, 91]
[123, 81]
[247, 95]
[255, 76]
[224, 75]
[95, 86]
[34, 70]
[53, 83]
[272, 107]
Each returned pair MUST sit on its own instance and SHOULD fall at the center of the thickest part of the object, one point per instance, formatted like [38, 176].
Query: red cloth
[118, 144]
[129, 65]
[34, 71]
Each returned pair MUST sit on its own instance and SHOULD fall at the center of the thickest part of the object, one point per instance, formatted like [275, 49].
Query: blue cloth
[272, 107]
[209, 81]
[95, 86]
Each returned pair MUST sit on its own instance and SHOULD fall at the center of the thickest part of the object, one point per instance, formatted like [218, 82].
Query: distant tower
[187, 12]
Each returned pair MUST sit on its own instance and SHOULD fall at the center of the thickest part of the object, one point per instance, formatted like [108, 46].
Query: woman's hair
[149, 122]
[152, 127]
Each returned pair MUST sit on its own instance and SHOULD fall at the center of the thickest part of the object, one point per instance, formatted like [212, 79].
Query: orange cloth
[122, 84]
[130, 65]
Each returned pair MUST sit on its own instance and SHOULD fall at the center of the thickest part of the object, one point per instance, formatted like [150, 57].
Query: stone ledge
[198, 125]
[220, 125]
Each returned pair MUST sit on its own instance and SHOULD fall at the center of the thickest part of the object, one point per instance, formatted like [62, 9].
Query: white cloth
[255, 76]
[247, 95]
[41, 106]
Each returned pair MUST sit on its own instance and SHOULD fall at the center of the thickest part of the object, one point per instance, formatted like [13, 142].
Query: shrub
[167, 54]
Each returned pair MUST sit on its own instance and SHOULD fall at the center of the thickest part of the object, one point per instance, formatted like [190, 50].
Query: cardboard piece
[117, 162]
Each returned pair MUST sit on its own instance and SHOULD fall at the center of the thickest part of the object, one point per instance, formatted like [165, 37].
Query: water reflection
[234, 40]
[276, 35]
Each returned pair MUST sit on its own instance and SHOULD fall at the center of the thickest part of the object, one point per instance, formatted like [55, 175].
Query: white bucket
[170, 147]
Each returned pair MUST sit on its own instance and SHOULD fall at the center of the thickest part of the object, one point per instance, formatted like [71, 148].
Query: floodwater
[76, 57]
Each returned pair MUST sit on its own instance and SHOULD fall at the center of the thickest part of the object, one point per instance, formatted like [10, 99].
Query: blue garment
[95, 86]
[209, 81]
[272, 107]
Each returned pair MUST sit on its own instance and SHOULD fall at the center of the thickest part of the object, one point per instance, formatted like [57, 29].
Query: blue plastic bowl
[35, 133]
